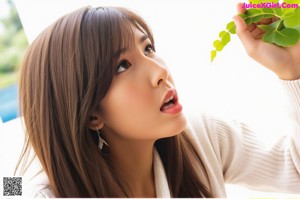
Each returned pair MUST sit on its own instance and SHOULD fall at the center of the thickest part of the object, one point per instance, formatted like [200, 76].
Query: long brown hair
[66, 72]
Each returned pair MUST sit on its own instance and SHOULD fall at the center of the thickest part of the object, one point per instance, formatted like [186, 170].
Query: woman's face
[141, 103]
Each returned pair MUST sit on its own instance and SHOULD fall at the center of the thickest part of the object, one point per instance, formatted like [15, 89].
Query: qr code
[12, 186]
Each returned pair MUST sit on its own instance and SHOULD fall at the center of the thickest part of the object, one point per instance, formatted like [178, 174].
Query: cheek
[127, 107]
[130, 97]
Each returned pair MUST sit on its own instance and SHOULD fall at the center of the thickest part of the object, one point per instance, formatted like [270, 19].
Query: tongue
[167, 105]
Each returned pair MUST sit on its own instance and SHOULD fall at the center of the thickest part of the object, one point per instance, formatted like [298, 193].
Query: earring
[101, 141]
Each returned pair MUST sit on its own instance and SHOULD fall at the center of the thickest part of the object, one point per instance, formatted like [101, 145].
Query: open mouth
[169, 103]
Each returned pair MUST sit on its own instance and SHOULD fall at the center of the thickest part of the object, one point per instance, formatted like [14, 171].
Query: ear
[96, 122]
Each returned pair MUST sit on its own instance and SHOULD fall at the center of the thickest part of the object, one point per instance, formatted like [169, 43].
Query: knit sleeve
[44, 193]
[247, 161]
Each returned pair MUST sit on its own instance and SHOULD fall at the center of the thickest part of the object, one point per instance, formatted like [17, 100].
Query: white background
[233, 85]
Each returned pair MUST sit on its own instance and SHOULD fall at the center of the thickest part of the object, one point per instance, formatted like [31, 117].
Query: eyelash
[121, 65]
[151, 47]
[126, 64]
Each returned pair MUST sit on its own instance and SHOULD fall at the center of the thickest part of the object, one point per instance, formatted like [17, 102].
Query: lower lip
[174, 109]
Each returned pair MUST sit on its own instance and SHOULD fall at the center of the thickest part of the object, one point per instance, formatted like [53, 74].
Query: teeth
[168, 106]
[169, 99]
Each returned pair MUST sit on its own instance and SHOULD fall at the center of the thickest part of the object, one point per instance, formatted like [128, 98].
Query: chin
[181, 121]
[177, 126]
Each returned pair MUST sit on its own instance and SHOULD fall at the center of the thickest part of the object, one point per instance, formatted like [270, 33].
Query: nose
[159, 73]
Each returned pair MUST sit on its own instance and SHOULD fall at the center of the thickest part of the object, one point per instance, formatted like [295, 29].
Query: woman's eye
[149, 49]
[124, 65]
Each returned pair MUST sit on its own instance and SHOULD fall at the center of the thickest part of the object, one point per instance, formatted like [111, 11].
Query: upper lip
[170, 93]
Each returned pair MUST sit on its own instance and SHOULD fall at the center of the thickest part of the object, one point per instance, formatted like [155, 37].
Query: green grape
[284, 32]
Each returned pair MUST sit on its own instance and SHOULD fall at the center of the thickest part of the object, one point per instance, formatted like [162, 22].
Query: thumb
[244, 34]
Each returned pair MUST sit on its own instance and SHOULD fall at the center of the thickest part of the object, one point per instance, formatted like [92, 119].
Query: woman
[104, 119]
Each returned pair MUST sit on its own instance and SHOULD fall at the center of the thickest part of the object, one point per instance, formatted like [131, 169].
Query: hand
[285, 62]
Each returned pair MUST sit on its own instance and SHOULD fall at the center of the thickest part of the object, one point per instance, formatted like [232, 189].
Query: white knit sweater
[231, 154]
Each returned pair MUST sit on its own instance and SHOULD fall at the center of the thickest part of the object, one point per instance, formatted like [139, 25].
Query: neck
[134, 160]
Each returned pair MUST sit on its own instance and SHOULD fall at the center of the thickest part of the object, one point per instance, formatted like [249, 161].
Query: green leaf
[274, 1]
[270, 27]
[222, 33]
[248, 21]
[255, 1]
[271, 11]
[292, 21]
[298, 29]
[257, 19]
[253, 12]
[243, 16]
[289, 10]
[268, 11]
[289, 15]
[268, 16]
[231, 27]
[218, 45]
[292, 1]
[278, 11]
[285, 37]
[213, 54]
[266, 1]
[283, 32]
[225, 37]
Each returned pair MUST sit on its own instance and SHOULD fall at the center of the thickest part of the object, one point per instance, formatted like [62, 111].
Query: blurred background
[13, 43]
[232, 86]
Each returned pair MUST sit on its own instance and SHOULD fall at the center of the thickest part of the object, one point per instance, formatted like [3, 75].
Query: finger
[245, 35]
[251, 27]
[259, 36]
[274, 19]
[240, 9]
[256, 32]
[265, 21]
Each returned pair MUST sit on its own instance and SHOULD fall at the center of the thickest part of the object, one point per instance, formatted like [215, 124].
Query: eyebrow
[143, 38]
[123, 50]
